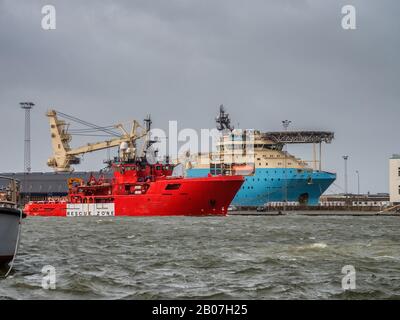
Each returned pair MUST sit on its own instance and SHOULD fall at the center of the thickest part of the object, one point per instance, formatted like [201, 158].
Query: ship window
[266, 163]
[399, 172]
[158, 168]
[174, 186]
[399, 189]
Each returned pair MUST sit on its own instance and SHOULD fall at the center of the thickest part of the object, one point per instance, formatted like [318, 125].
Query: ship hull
[277, 185]
[191, 197]
[9, 225]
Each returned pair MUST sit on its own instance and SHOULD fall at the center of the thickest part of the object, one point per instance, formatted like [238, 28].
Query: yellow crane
[64, 156]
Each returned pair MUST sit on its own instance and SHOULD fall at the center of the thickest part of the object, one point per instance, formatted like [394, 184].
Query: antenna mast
[223, 120]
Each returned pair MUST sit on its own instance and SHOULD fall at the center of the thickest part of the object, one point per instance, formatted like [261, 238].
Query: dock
[315, 213]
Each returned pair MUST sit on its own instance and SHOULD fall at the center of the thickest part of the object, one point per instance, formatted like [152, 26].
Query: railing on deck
[9, 192]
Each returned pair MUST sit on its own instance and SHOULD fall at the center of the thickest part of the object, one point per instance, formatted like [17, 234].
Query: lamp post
[358, 182]
[358, 187]
[27, 107]
[346, 191]
[345, 158]
[285, 124]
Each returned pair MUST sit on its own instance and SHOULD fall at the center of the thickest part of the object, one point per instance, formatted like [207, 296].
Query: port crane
[64, 156]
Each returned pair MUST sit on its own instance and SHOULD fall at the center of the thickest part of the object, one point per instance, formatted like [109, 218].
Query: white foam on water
[286, 258]
[385, 257]
[318, 245]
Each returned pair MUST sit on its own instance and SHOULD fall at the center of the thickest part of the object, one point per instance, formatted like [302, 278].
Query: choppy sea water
[236, 257]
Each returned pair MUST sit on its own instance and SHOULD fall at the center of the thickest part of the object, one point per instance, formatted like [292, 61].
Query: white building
[394, 178]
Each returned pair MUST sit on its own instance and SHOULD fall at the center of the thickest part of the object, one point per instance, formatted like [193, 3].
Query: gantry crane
[64, 156]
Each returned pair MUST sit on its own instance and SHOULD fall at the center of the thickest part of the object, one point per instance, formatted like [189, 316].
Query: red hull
[193, 197]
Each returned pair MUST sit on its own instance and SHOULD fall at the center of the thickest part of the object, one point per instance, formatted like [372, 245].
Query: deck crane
[64, 156]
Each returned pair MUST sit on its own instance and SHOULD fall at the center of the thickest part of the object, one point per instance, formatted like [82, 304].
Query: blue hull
[272, 185]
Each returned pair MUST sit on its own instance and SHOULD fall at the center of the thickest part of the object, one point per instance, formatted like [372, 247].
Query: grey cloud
[178, 60]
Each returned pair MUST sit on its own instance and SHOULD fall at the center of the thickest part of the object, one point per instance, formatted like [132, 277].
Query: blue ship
[272, 174]
[276, 185]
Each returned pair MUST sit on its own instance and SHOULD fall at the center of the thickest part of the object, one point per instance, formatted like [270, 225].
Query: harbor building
[394, 179]
[377, 201]
[47, 186]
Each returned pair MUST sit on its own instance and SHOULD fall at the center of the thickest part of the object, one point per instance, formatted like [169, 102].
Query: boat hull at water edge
[169, 197]
[9, 226]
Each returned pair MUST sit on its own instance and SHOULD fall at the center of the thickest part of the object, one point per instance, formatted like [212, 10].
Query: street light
[345, 174]
[27, 106]
[286, 124]
[358, 182]
[358, 187]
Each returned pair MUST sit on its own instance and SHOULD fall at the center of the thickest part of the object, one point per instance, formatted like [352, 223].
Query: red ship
[142, 189]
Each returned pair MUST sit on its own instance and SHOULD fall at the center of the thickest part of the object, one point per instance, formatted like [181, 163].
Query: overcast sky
[266, 61]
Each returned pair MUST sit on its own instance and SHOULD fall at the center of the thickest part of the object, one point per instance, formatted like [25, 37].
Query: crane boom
[64, 156]
[91, 147]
